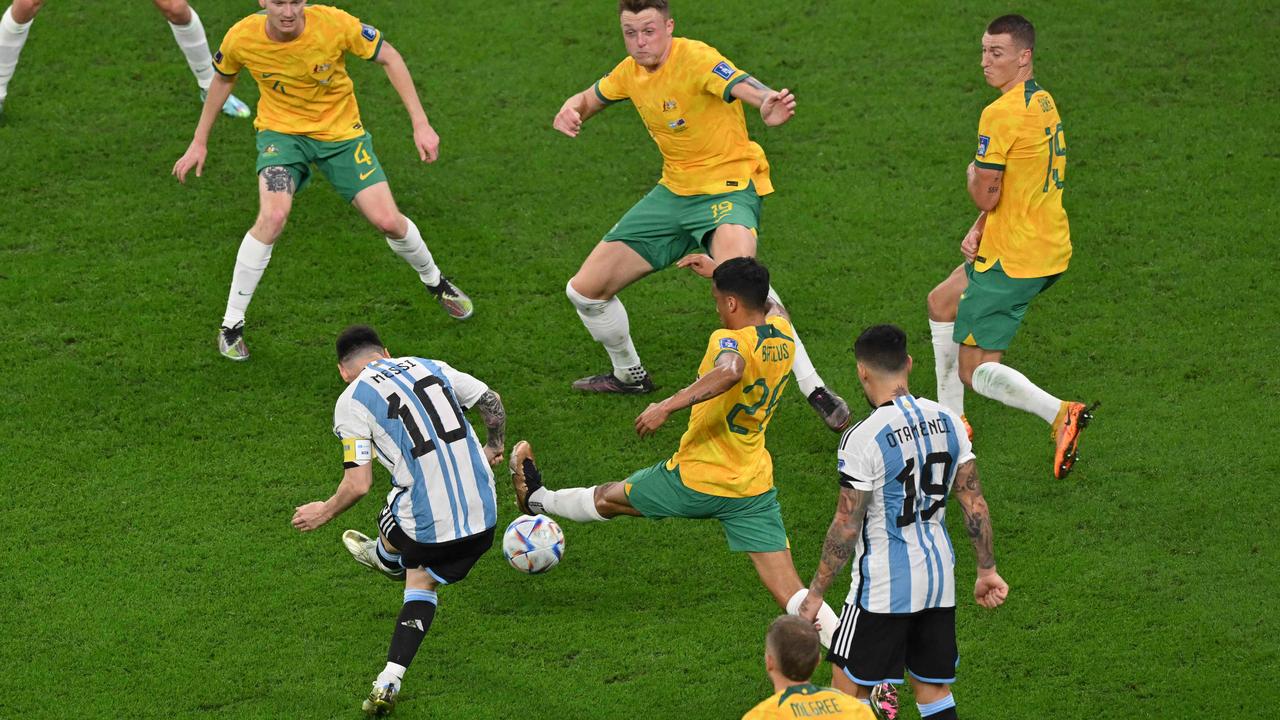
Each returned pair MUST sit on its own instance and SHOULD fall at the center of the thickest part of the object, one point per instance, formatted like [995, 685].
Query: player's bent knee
[175, 11]
[583, 301]
[941, 307]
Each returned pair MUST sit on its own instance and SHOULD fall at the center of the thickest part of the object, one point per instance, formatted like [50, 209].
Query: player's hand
[778, 108]
[427, 142]
[568, 121]
[192, 158]
[809, 607]
[310, 516]
[990, 589]
[703, 265]
[651, 419]
[969, 246]
[493, 455]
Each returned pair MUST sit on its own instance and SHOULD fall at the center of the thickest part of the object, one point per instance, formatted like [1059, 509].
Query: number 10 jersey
[905, 454]
[407, 412]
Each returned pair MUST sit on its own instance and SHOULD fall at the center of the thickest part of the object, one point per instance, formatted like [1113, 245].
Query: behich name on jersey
[390, 372]
[907, 433]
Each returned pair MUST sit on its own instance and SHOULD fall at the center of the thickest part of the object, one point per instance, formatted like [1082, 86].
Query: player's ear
[910, 360]
[386, 354]
[769, 664]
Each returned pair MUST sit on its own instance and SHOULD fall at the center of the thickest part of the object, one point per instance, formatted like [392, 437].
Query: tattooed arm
[776, 107]
[495, 422]
[842, 536]
[726, 373]
[984, 186]
[990, 589]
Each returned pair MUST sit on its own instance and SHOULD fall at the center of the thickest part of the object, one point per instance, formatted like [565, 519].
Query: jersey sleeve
[717, 75]
[723, 341]
[225, 60]
[614, 86]
[859, 467]
[996, 131]
[363, 41]
[354, 427]
[466, 388]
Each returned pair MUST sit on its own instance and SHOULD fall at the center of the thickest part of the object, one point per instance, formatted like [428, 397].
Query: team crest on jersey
[368, 32]
[668, 105]
[728, 344]
[983, 143]
[321, 68]
[723, 70]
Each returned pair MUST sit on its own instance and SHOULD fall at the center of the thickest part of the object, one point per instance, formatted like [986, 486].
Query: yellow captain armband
[356, 451]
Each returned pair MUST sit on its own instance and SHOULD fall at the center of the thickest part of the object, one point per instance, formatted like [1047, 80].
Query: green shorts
[751, 524]
[664, 227]
[350, 165]
[992, 306]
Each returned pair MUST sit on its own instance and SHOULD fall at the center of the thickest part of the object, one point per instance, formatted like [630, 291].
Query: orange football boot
[1072, 421]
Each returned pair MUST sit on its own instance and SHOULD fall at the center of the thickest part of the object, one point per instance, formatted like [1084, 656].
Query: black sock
[948, 714]
[412, 625]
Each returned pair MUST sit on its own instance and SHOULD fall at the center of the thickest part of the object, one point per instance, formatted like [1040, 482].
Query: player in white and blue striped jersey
[440, 512]
[896, 470]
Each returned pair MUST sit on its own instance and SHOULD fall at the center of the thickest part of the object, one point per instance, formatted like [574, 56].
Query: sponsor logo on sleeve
[728, 344]
[840, 464]
[983, 143]
[368, 32]
[357, 450]
[217, 58]
[723, 70]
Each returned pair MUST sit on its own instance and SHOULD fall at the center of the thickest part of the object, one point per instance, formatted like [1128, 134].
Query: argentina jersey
[407, 412]
[905, 454]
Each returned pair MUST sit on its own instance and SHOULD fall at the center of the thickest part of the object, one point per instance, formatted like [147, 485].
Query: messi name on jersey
[386, 373]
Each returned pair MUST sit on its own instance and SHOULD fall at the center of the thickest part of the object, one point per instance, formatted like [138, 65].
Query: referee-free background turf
[148, 568]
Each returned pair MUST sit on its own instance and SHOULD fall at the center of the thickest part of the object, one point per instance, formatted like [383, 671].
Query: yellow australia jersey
[1021, 134]
[723, 453]
[303, 83]
[698, 125]
[809, 701]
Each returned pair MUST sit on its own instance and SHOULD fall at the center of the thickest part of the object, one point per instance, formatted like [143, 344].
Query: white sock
[251, 262]
[827, 617]
[12, 37]
[802, 368]
[607, 322]
[946, 365]
[577, 504]
[1006, 385]
[392, 674]
[195, 46]
[414, 251]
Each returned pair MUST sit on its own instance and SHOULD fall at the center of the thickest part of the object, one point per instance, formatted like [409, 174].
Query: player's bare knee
[270, 224]
[24, 10]
[583, 296]
[391, 224]
[177, 12]
[941, 306]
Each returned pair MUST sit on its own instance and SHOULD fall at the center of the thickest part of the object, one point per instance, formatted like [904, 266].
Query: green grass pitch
[148, 569]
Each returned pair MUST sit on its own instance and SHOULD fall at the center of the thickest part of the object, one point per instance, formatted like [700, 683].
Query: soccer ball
[533, 544]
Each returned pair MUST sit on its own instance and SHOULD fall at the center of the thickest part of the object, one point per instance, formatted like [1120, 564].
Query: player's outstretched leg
[189, 33]
[609, 268]
[15, 25]
[378, 206]
[582, 504]
[829, 406]
[943, 303]
[982, 370]
[415, 618]
[373, 554]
